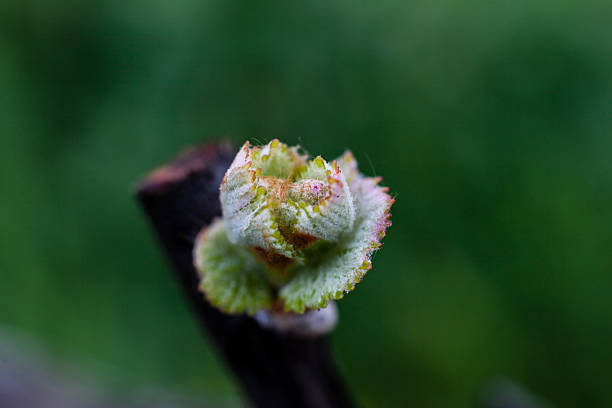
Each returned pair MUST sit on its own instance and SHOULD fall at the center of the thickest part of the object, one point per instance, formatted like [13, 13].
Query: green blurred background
[491, 121]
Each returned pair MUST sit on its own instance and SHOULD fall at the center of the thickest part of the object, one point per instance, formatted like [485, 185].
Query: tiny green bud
[295, 233]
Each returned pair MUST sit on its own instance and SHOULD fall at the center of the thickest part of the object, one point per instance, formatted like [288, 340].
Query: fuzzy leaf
[248, 208]
[321, 209]
[231, 278]
[331, 275]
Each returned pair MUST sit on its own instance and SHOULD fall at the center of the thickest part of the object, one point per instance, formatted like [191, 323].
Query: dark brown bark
[274, 370]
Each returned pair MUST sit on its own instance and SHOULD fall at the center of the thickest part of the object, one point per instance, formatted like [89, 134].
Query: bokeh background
[490, 121]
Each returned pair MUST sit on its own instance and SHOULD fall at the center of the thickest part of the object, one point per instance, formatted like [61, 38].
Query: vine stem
[274, 369]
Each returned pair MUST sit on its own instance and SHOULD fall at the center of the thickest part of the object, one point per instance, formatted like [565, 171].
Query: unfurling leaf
[295, 232]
